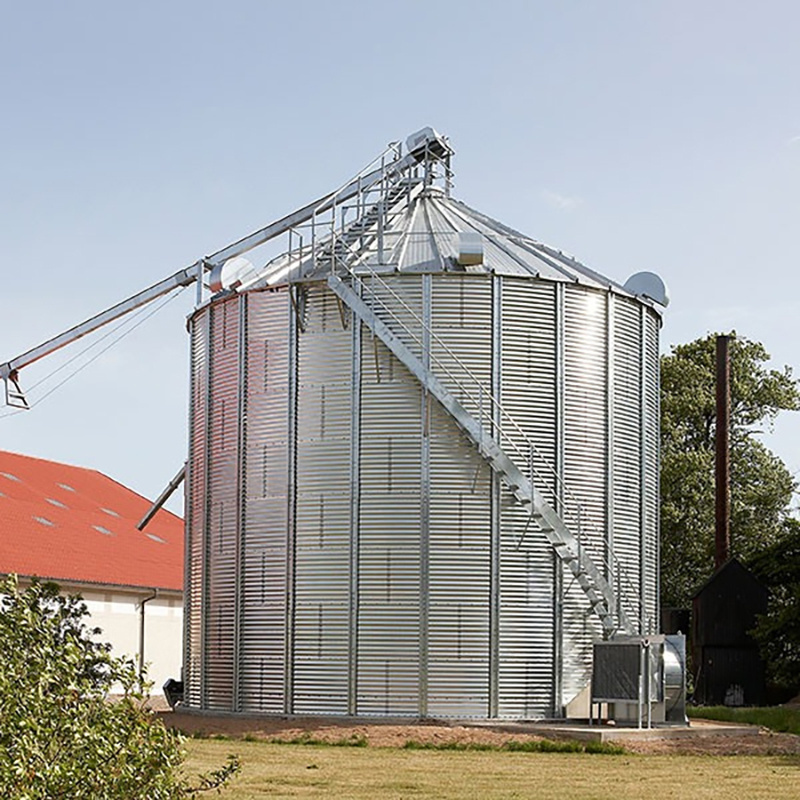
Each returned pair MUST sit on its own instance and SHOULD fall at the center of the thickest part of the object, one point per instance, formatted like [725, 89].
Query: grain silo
[423, 468]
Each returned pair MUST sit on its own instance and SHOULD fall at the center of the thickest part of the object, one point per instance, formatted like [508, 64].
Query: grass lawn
[274, 770]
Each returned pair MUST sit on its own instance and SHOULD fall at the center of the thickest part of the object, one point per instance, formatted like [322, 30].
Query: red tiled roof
[75, 524]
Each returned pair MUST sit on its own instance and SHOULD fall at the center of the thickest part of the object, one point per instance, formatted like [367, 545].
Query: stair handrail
[379, 175]
[615, 568]
[495, 404]
[606, 599]
[339, 237]
[300, 251]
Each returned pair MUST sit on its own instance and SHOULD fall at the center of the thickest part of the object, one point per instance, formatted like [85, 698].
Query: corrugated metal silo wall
[652, 467]
[457, 484]
[390, 534]
[265, 554]
[395, 578]
[529, 393]
[322, 509]
[423, 529]
[196, 521]
[214, 504]
[584, 468]
[635, 414]
[626, 448]
[223, 492]
[236, 606]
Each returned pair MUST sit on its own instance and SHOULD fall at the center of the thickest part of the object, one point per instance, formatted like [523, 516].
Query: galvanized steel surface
[372, 590]
[195, 488]
[221, 507]
[263, 505]
[322, 526]
[420, 232]
[527, 587]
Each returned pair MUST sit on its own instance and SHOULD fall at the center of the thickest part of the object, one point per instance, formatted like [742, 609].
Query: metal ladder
[603, 601]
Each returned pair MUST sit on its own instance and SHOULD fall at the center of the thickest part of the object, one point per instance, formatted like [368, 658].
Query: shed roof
[69, 523]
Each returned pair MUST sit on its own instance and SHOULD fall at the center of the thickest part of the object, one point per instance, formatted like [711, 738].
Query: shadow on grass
[357, 740]
[786, 761]
[535, 746]
[781, 719]
[353, 740]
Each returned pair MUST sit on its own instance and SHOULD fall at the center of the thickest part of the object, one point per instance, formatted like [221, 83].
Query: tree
[761, 485]
[60, 735]
[778, 631]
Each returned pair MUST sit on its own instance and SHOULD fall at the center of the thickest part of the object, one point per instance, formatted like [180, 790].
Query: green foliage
[60, 736]
[761, 486]
[778, 631]
[777, 718]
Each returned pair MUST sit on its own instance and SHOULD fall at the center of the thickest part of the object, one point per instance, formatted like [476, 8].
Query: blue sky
[138, 137]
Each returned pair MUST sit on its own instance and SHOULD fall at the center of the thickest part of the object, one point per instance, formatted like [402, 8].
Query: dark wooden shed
[727, 667]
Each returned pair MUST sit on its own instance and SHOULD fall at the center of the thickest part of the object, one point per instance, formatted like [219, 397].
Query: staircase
[385, 326]
[339, 247]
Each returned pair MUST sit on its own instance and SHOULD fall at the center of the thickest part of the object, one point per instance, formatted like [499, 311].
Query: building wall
[118, 614]
[116, 611]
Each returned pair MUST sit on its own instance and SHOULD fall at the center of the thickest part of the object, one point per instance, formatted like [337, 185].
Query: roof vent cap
[649, 285]
[470, 249]
[231, 274]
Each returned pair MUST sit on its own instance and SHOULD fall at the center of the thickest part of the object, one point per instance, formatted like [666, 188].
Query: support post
[722, 442]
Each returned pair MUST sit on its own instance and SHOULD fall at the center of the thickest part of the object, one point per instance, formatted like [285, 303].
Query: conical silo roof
[398, 219]
[427, 237]
[422, 232]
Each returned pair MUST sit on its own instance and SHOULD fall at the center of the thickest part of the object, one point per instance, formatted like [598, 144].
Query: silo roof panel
[426, 243]
[515, 253]
[421, 234]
